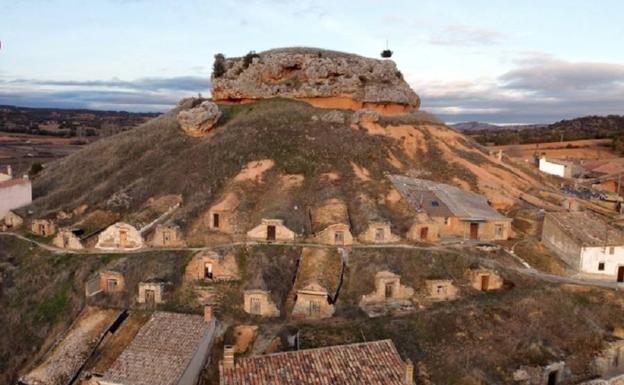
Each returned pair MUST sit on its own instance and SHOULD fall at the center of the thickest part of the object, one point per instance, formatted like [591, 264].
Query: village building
[222, 216]
[10, 221]
[484, 279]
[14, 192]
[371, 363]
[441, 290]
[389, 294]
[68, 239]
[111, 282]
[330, 223]
[170, 349]
[369, 223]
[559, 168]
[313, 302]
[271, 230]
[120, 236]
[167, 236]
[210, 266]
[152, 292]
[259, 302]
[424, 228]
[586, 242]
[42, 227]
[378, 232]
[457, 213]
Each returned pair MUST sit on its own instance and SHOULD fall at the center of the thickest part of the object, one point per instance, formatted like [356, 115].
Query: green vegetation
[218, 67]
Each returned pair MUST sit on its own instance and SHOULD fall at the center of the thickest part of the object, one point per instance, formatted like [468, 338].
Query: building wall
[433, 232]
[495, 281]
[11, 221]
[42, 227]
[267, 306]
[14, 197]
[197, 363]
[553, 168]
[106, 275]
[167, 236]
[370, 234]
[592, 256]
[227, 221]
[223, 269]
[328, 235]
[282, 233]
[399, 292]
[157, 287]
[302, 306]
[65, 239]
[561, 243]
[110, 239]
[455, 227]
[441, 289]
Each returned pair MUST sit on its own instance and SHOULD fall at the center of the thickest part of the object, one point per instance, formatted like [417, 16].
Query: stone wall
[259, 302]
[281, 232]
[66, 239]
[167, 236]
[484, 279]
[388, 288]
[223, 268]
[109, 287]
[120, 236]
[378, 232]
[42, 227]
[417, 232]
[331, 233]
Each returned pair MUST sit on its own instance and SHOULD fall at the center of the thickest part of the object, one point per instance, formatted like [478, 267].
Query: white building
[560, 168]
[14, 192]
[585, 242]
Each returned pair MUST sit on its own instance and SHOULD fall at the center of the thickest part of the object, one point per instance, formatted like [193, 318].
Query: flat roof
[371, 363]
[161, 350]
[588, 228]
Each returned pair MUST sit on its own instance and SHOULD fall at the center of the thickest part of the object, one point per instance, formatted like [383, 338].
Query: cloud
[463, 35]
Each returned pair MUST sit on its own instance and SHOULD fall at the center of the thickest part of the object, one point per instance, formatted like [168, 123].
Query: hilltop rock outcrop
[197, 121]
[320, 77]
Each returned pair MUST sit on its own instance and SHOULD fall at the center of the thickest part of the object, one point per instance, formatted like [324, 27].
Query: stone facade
[222, 216]
[112, 282]
[210, 266]
[388, 288]
[337, 234]
[200, 119]
[271, 230]
[66, 239]
[320, 77]
[424, 229]
[11, 221]
[42, 227]
[378, 232]
[312, 302]
[167, 236]
[152, 293]
[484, 279]
[259, 302]
[441, 290]
[120, 236]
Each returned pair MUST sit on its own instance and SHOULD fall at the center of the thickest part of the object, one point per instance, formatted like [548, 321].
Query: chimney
[409, 373]
[208, 313]
[228, 357]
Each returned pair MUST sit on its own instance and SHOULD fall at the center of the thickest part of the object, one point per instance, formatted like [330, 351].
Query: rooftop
[440, 199]
[14, 182]
[161, 351]
[371, 363]
[589, 229]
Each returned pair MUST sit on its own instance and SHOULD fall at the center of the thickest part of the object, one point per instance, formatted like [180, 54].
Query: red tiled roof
[14, 182]
[371, 363]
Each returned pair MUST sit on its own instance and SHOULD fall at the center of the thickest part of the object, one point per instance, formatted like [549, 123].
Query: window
[601, 266]
[315, 308]
[435, 203]
[441, 290]
[339, 238]
[499, 230]
[447, 221]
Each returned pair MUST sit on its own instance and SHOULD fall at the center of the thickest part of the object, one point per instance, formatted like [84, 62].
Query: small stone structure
[441, 290]
[120, 236]
[167, 236]
[484, 279]
[11, 221]
[222, 216]
[152, 292]
[330, 223]
[112, 282]
[389, 295]
[43, 227]
[271, 230]
[552, 374]
[611, 359]
[378, 232]
[424, 229]
[200, 119]
[312, 302]
[210, 266]
[67, 239]
[259, 302]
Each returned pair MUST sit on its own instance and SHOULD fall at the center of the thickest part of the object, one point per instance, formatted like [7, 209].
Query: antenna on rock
[386, 53]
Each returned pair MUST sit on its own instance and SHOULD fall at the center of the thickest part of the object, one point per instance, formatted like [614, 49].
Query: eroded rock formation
[197, 121]
[322, 78]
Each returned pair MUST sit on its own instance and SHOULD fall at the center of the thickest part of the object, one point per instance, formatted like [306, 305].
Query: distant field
[575, 149]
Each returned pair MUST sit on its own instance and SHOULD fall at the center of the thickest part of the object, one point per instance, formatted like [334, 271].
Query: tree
[218, 67]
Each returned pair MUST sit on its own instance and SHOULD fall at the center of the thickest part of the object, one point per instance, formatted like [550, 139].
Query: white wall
[592, 256]
[551, 168]
[14, 197]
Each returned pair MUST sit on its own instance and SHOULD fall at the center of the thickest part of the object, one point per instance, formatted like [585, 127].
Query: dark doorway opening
[215, 221]
[485, 282]
[552, 377]
[424, 233]
[270, 233]
[620, 277]
[389, 290]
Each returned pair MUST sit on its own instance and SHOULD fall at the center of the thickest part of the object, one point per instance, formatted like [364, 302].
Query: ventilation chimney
[409, 373]
[208, 313]
[228, 357]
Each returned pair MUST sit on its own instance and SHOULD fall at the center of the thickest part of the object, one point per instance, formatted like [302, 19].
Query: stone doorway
[424, 233]
[485, 282]
[389, 289]
[271, 233]
[620, 275]
[123, 238]
[339, 238]
[315, 309]
[111, 285]
[256, 306]
[379, 235]
[215, 221]
[552, 377]
[474, 231]
[150, 297]
[208, 271]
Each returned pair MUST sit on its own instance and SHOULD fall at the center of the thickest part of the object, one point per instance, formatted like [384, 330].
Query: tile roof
[371, 363]
[161, 351]
[463, 204]
[589, 229]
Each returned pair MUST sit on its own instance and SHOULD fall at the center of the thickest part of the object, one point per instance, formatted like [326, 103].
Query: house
[559, 168]
[370, 363]
[388, 293]
[14, 192]
[209, 266]
[68, 239]
[484, 279]
[330, 223]
[222, 216]
[120, 236]
[457, 213]
[423, 228]
[10, 221]
[271, 230]
[441, 289]
[259, 302]
[152, 292]
[167, 236]
[42, 227]
[170, 349]
[586, 242]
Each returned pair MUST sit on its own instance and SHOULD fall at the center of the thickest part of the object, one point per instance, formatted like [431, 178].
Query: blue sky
[495, 61]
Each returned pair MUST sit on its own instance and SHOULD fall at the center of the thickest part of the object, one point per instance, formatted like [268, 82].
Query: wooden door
[620, 277]
[111, 285]
[339, 238]
[485, 282]
[379, 235]
[315, 309]
[215, 221]
[123, 238]
[256, 306]
[271, 233]
[150, 297]
[474, 231]
[389, 289]
[424, 233]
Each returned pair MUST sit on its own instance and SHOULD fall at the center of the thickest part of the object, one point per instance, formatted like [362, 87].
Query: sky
[491, 61]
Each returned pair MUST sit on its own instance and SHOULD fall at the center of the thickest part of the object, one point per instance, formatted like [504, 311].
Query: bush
[35, 169]
[249, 58]
[218, 67]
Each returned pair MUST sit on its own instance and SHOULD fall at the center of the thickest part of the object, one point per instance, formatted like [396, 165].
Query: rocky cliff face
[322, 78]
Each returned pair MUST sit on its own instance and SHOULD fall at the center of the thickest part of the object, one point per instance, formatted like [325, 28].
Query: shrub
[218, 67]
[249, 58]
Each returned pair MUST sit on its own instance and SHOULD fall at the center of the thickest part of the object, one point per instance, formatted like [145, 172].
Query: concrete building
[441, 290]
[370, 363]
[170, 349]
[14, 192]
[271, 230]
[208, 265]
[586, 242]
[120, 236]
[259, 302]
[222, 216]
[167, 236]
[330, 223]
[67, 239]
[559, 168]
[42, 227]
[457, 213]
